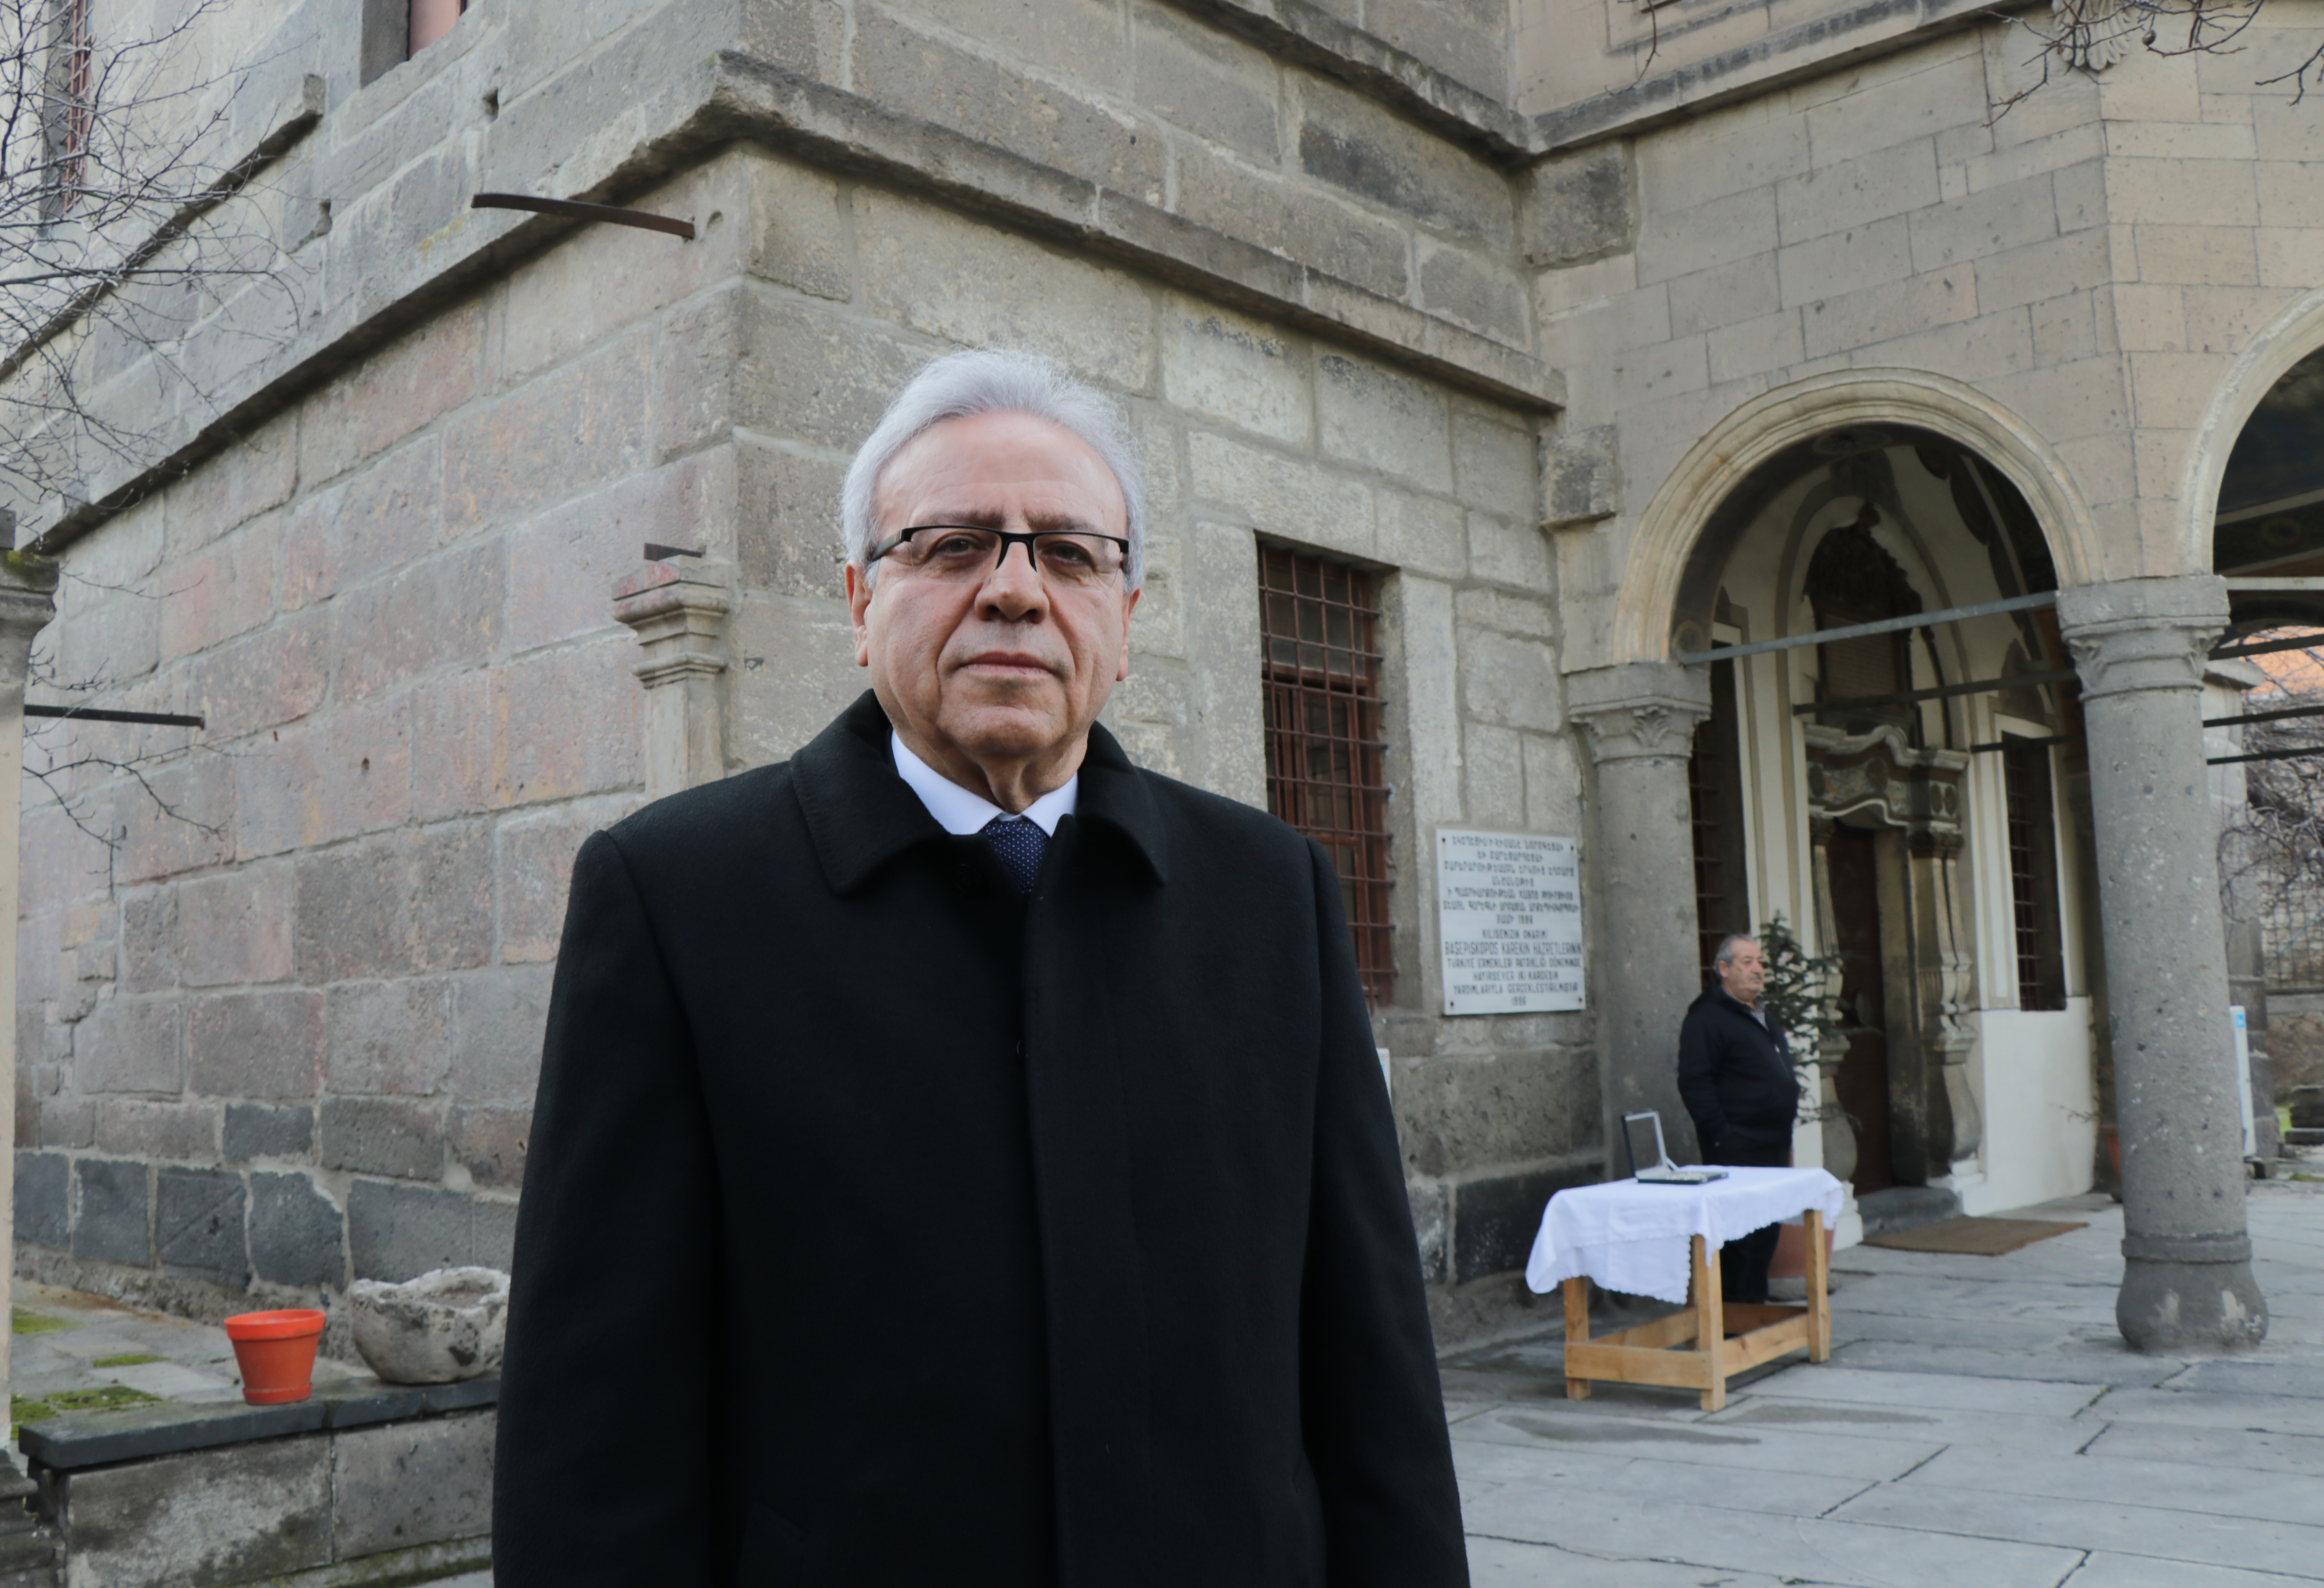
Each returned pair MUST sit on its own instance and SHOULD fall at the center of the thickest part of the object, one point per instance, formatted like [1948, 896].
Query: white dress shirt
[960, 812]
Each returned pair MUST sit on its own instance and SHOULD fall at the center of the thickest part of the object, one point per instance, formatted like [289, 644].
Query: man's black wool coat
[1736, 1077]
[883, 1226]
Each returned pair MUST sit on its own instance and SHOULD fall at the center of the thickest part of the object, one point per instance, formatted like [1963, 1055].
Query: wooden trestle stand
[1691, 1350]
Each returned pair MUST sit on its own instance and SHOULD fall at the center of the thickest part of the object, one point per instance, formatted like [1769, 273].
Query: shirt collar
[961, 813]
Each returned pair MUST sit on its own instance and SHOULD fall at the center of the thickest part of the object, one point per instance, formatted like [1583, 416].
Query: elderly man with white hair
[960, 1155]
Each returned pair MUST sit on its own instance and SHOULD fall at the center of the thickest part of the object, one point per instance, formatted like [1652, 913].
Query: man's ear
[859, 603]
[1129, 605]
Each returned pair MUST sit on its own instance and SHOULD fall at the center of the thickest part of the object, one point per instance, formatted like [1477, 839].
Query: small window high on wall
[68, 108]
[1326, 764]
[394, 31]
[2034, 875]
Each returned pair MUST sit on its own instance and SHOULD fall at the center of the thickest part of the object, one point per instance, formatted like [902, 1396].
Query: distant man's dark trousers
[1743, 1261]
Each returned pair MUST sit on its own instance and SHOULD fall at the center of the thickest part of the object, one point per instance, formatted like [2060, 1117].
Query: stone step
[30, 1560]
[1905, 1207]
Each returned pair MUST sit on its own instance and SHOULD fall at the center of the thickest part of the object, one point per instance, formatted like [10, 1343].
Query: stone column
[27, 602]
[2140, 646]
[1640, 720]
[679, 611]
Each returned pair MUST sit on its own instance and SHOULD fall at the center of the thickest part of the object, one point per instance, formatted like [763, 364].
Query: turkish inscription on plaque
[1508, 921]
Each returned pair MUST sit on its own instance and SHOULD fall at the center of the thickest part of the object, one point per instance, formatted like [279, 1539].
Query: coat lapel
[860, 814]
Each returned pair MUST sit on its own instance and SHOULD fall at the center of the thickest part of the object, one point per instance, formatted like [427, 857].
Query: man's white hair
[992, 380]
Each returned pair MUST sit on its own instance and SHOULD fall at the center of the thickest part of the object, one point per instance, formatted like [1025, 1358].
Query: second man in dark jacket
[1735, 1074]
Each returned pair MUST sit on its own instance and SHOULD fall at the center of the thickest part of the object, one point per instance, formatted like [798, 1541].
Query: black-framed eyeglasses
[967, 553]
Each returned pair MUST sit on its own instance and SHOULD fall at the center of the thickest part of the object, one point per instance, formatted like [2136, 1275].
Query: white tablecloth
[1633, 1238]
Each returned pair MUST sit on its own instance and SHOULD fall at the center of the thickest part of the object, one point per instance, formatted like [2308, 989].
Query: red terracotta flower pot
[276, 1353]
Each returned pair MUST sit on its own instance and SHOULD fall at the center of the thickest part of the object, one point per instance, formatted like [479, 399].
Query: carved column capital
[2134, 635]
[1643, 710]
[678, 614]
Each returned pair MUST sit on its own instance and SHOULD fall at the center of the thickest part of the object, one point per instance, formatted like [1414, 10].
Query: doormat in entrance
[1973, 1237]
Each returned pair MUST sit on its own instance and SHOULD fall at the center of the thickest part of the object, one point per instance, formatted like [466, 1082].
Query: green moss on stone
[105, 1398]
[127, 1359]
[34, 1322]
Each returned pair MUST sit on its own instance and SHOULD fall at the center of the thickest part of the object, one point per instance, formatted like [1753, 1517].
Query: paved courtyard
[1980, 1423]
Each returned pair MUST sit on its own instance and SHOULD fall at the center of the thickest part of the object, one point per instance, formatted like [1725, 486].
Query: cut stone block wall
[404, 1502]
[2093, 264]
[288, 1036]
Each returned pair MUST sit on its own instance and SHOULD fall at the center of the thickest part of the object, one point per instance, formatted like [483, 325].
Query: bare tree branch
[129, 227]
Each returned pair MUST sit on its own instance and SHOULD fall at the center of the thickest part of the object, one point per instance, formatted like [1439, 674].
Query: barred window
[1325, 762]
[69, 107]
[2034, 875]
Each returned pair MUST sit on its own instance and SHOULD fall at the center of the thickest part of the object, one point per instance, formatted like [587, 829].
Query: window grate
[1705, 799]
[72, 109]
[1326, 762]
[2032, 874]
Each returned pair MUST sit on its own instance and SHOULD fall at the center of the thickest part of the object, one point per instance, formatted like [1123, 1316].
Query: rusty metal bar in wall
[573, 210]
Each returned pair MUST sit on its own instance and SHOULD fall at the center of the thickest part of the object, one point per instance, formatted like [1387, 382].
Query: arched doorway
[1901, 794]
[2267, 746]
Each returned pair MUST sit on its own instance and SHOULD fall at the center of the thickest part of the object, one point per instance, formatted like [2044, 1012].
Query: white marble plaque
[1508, 921]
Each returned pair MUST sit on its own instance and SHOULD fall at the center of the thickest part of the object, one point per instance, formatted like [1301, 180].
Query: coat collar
[862, 815]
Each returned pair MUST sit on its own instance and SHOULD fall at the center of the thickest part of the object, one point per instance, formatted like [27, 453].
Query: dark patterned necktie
[1019, 843]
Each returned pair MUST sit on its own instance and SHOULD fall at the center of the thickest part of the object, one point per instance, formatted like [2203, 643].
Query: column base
[2189, 1297]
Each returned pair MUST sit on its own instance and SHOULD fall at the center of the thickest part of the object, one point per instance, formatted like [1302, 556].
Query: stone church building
[1493, 362]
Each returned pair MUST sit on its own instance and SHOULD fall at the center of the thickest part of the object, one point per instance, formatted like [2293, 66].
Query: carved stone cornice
[2131, 636]
[678, 615]
[1881, 776]
[1640, 711]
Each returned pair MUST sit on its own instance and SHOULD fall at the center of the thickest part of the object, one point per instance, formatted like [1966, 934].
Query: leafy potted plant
[1796, 997]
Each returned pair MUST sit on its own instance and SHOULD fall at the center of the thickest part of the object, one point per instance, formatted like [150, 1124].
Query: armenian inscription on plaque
[1509, 920]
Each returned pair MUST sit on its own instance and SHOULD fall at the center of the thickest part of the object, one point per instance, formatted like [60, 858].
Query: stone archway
[1675, 518]
[2292, 335]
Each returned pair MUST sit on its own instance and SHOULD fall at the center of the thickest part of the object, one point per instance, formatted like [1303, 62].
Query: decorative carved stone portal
[1892, 896]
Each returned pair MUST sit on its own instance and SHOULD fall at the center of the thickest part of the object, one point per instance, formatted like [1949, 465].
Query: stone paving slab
[2180, 1485]
[2044, 1435]
[1545, 1469]
[2084, 1366]
[1503, 1563]
[2004, 1333]
[1754, 1448]
[2286, 1547]
[1939, 1391]
[2131, 1571]
[2229, 1447]
[2290, 1376]
[2257, 1413]
[1592, 1521]
[1992, 1428]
